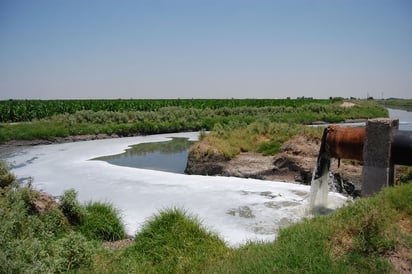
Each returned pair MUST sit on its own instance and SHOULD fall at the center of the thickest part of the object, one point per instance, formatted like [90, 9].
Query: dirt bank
[294, 163]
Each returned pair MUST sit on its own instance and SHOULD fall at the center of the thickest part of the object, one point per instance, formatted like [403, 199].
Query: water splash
[319, 188]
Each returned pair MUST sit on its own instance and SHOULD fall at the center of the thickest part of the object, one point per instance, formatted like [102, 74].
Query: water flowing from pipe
[318, 200]
[319, 189]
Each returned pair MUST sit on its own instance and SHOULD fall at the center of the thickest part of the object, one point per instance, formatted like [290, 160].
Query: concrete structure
[378, 166]
[379, 146]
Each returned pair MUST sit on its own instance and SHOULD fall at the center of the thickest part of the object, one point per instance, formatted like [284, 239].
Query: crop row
[28, 110]
[176, 119]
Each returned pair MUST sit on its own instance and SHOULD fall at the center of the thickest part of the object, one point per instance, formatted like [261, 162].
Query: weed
[94, 117]
[102, 222]
[176, 242]
[71, 208]
[6, 178]
[73, 251]
[269, 148]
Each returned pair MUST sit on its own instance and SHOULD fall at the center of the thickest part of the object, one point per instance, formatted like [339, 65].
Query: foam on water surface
[238, 209]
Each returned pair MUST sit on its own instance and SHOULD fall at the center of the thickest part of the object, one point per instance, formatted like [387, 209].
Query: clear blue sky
[205, 49]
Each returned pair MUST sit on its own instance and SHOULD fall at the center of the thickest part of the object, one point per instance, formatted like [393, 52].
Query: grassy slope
[360, 238]
[261, 136]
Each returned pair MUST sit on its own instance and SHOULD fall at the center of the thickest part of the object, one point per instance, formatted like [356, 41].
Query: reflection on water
[170, 156]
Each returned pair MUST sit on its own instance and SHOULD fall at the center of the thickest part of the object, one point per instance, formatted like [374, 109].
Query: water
[237, 209]
[319, 189]
[405, 118]
[168, 156]
[321, 179]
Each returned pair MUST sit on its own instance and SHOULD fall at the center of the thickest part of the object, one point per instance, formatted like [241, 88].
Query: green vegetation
[102, 222]
[262, 136]
[359, 238]
[69, 237]
[355, 239]
[405, 104]
[47, 238]
[175, 242]
[28, 110]
[131, 117]
[71, 208]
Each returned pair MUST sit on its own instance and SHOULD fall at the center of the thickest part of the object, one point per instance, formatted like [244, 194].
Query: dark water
[170, 156]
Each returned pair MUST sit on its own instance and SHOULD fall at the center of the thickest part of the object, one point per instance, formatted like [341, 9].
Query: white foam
[238, 209]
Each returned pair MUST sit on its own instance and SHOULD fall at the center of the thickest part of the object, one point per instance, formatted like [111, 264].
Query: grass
[175, 119]
[50, 241]
[262, 136]
[405, 104]
[102, 222]
[175, 242]
[358, 238]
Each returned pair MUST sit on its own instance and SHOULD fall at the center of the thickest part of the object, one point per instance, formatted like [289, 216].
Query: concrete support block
[378, 169]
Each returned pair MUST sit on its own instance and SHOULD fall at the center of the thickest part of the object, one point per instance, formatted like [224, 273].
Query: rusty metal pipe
[345, 142]
[341, 143]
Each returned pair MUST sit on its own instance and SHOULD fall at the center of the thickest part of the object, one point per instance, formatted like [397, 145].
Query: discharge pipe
[401, 148]
[348, 143]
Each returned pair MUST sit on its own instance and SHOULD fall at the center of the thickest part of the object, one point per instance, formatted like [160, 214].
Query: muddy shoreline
[294, 163]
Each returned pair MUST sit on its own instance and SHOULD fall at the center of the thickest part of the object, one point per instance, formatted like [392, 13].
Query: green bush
[73, 251]
[36, 243]
[71, 208]
[6, 178]
[102, 222]
[269, 148]
[55, 222]
[176, 242]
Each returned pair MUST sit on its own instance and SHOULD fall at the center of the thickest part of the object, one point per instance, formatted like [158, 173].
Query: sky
[66, 49]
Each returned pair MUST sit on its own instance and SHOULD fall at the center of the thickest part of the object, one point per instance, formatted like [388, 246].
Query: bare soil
[294, 163]
[118, 244]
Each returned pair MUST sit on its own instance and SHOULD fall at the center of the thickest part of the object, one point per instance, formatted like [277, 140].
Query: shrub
[269, 148]
[27, 195]
[30, 242]
[71, 208]
[72, 251]
[176, 241]
[6, 178]
[102, 222]
[55, 222]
